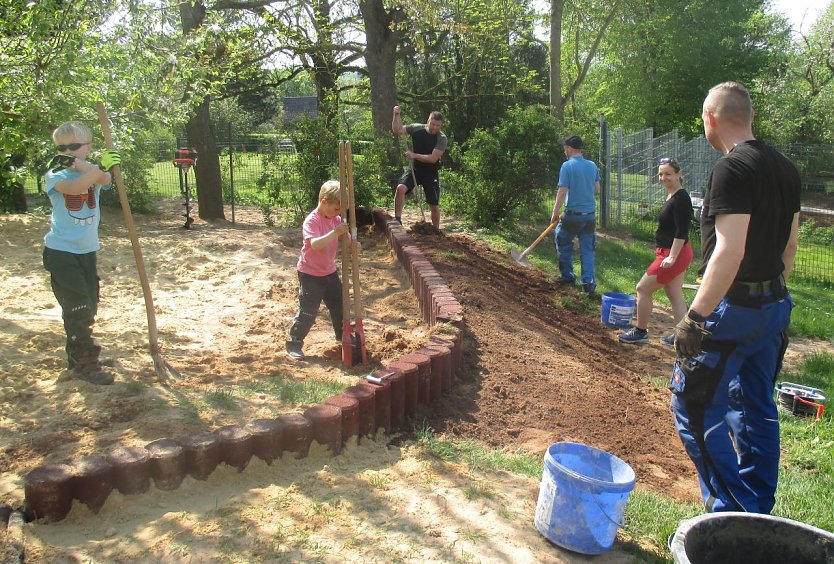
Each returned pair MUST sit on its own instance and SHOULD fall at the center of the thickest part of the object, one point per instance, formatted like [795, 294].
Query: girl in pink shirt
[318, 278]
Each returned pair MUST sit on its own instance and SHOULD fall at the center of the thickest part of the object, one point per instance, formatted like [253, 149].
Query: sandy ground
[225, 295]
[224, 298]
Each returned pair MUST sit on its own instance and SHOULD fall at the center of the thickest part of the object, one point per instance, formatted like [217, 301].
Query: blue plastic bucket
[618, 309]
[582, 497]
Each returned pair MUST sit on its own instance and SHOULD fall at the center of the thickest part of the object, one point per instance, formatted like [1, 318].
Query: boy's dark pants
[311, 291]
[75, 283]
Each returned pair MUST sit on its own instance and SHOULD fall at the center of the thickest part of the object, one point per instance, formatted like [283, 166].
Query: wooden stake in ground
[163, 369]
[347, 331]
[359, 313]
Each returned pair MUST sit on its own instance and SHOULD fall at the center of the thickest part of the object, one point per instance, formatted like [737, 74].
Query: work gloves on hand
[689, 333]
[59, 162]
[109, 159]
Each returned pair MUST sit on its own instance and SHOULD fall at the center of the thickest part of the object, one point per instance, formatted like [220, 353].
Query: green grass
[806, 482]
[806, 478]
[296, 392]
[622, 260]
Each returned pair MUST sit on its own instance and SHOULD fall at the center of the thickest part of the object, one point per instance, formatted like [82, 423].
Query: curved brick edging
[419, 377]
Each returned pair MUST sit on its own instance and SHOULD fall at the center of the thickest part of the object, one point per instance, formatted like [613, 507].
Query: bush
[810, 233]
[504, 168]
[369, 181]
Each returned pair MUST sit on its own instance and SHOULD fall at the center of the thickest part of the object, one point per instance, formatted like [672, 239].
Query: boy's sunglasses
[71, 146]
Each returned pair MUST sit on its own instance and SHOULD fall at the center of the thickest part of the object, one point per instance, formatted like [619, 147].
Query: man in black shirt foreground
[732, 340]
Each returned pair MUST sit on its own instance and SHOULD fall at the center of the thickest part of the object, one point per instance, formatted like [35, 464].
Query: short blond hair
[330, 191]
[730, 101]
[74, 129]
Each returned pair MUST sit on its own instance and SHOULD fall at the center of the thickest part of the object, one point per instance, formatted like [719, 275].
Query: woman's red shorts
[666, 275]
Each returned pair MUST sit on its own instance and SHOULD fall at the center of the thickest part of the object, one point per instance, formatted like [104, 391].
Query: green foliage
[317, 147]
[660, 80]
[508, 166]
[810, 233]
[471, 60]
[369, 182]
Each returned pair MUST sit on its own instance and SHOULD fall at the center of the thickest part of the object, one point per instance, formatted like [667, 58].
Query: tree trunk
[381, 58]
[209, 187]
[201, 136]
[557, 108]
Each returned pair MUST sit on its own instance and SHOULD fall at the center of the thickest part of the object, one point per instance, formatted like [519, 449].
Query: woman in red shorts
[673, 255]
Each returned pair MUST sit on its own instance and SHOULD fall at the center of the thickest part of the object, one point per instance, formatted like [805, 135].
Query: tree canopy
[162, 64]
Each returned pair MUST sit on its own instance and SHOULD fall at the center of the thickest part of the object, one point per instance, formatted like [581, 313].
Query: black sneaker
[589, 288]
[565, 282]
[294, 349]
[634, 336]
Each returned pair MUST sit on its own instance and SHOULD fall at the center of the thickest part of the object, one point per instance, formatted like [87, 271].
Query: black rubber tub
[742, 538]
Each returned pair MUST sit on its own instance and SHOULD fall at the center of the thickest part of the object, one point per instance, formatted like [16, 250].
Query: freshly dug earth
[539, 367]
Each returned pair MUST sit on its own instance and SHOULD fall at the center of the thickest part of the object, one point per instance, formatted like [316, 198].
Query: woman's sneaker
[668, 340]
[634, 336]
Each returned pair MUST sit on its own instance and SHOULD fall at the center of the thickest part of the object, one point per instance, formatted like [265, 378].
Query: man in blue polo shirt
[578, 187]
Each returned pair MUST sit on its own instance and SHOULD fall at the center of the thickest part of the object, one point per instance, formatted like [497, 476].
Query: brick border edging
[419, 377]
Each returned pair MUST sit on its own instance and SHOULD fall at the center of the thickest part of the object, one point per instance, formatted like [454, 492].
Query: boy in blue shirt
[73, 186]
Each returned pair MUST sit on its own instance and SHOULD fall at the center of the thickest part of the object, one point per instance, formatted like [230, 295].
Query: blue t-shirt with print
[75, 218]
[579, 176]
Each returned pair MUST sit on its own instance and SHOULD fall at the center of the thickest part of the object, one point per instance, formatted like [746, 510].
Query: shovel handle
[116, 173]
[539, 238]
[345, 243]
[358, 310]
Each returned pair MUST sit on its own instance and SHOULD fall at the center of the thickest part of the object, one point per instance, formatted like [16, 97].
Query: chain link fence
[632, 197]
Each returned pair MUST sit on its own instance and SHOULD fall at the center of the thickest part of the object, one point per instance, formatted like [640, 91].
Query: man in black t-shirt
[732, 340]
[428, 145]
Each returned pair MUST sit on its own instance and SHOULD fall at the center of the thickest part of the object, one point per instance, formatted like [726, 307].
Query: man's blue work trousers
[582, 226]
[724, 408]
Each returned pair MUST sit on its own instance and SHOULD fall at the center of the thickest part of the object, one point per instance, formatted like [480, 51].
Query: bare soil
[539, 367]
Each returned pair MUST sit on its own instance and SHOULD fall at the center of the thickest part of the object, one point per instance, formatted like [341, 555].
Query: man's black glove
[109, 159]
[689, 333]
[59, 162]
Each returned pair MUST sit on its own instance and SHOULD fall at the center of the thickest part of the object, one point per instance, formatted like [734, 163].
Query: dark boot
[92, 373]
[86, 366]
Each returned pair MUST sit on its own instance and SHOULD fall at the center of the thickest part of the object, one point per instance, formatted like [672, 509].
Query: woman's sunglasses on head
[667, 160]
[72, 146]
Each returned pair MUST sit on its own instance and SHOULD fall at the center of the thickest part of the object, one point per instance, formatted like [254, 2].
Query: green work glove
[689, 334]
[109, 159]
[59, 162]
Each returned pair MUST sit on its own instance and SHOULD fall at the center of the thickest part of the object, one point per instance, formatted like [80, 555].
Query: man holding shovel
[428, 145]
[578, 186]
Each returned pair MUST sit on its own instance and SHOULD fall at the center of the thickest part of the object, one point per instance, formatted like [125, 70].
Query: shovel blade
[520, 258]
[347, 344]
[360, 352]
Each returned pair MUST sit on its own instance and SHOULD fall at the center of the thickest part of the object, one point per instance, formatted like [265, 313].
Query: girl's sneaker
[634, 336]
[668, 340]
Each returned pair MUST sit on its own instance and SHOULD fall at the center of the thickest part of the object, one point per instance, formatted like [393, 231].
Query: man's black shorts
[430, 182]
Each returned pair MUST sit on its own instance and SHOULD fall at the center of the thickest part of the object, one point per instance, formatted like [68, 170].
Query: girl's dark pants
[311, 291]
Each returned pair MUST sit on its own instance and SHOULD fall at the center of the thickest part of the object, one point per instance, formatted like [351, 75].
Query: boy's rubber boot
[88, 368]
[93, 374]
